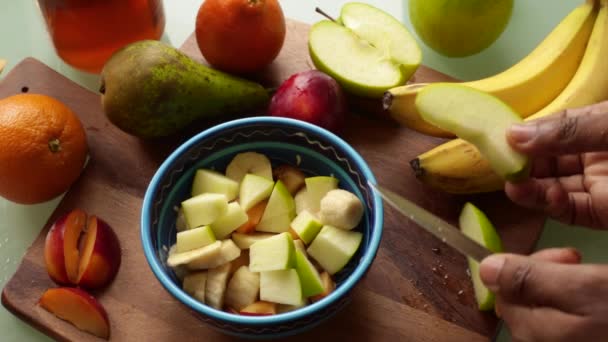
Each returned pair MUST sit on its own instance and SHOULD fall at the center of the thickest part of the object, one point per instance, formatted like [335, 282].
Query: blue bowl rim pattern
[283, 318]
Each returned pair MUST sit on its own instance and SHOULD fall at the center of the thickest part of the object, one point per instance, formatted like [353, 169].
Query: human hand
[569, 177]
[549, 296]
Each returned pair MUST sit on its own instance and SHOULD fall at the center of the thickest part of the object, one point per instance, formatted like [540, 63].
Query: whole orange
[240, 36]
[43, 148]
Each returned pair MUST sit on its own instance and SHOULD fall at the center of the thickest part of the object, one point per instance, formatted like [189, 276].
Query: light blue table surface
[22, 34]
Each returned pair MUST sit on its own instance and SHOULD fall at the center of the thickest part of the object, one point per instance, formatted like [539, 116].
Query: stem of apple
[323, 13]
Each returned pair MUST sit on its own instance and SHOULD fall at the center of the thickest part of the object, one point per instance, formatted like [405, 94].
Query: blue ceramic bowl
[318, 152]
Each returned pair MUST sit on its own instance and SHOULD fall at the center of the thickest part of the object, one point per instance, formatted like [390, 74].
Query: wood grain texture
[416, 290]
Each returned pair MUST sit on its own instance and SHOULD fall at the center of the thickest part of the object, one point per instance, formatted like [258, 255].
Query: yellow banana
[527, 86]
[458, 167]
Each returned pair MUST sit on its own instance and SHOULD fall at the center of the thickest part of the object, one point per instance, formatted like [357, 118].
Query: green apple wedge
[279, 212]
[194, 238]
[244, 241]
[366, 50]
[209, 181]
[475, 224]
[281, 287]
[306, 225]
[310, 280]
[334, 247]
[254, 189]
[224, 225]
[476, 117]
[316, 188]
[273, 253]
[203, 209]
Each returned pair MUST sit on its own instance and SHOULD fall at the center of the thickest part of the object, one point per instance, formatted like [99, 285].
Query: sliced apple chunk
[194, 284]
[479, 118]
[273, 253]
[79, 308]
[291, 176]
[316, 188]
[204, 209]
[310, 280]
[299, 246]
[281, 287]
[306, 226]
[243, 288]
[228, 251]
[244, 241]
[217, 280]
[260, 308]
[233, 218]
[209, 181]
[279, 212]
[254, 189]
[209, 252]
[328, 287]
[194, 239]
[334, 247]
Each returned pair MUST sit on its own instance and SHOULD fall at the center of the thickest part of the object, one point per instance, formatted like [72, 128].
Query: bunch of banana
[458, 167]
[527, 86]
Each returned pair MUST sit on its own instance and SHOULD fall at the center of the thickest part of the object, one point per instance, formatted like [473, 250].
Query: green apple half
[279, 212]
[230, 221]
[475, 224]
[366, 50]
[479, 118]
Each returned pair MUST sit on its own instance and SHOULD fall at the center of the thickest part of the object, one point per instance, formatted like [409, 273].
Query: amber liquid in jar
[86, 33]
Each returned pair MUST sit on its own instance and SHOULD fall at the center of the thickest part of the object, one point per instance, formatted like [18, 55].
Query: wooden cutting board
[416, 290]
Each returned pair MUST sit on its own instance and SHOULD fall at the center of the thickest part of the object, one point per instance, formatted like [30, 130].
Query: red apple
[61, 247]
[100, 255]
[260, 308]
[311, 96]
[79, 308]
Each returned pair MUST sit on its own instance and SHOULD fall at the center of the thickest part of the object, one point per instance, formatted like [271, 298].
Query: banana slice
[341, 209]
[302, 202]
[249, 162]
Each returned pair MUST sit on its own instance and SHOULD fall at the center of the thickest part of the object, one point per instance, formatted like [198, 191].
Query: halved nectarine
[100, 255]
[79, 308]
[61, 247]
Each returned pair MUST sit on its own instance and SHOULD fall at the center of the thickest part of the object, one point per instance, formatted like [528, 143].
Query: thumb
[530, 281]
[571, 131]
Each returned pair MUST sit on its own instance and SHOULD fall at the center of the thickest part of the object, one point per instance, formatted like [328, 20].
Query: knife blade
[434, 225]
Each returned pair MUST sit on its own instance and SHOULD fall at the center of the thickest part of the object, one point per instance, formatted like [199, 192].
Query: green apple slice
[299, 246]
[208, 181]
[244, 241]
[274, 253]
[194, 238]
[243, 288]
[211, 252]
[228, 251]
[281, 287]
[475, 224]
[306, 225]
[333, 247]
[230, 221]
[217, 279]
[254, 189]
[367, 50]
[316, 188]
[310, 280]
[203, 209]
[194, 284]
[279, 212]
[478, 118]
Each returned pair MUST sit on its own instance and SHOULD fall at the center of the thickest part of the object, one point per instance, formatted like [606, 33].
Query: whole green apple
[459, 28]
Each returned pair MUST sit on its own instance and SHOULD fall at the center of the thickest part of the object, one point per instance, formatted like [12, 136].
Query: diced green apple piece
[328, 287]
[244, 241]
[217, 279]
[208, 181]
[334, 247]
[279, 212]
[317, 187]
[224, 225]
[228, 251]
[310, 279]
[194, 238]
[254, 189]
[194, 284]
[306, 225]
[208, 252]
[274, 253]
[243, 288]
[203, 209]
[299, 246]
[479, 118]
[281, 287]
[476, 225]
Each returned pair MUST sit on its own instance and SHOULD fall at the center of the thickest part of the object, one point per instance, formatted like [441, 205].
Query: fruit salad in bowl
[262, 226]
